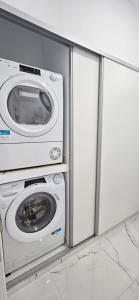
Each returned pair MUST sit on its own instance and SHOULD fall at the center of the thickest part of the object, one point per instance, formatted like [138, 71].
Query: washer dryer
[31, 116]
[33, 219]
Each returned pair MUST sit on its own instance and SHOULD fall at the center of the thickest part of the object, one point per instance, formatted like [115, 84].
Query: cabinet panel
[85, 109]
[3, 293]
[119, 184]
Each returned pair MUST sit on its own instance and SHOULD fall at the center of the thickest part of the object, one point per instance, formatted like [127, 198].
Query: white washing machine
[31, 116]
[33, 219]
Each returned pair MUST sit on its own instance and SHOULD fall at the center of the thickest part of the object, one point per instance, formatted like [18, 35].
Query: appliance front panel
[18, 156]
[28, 213]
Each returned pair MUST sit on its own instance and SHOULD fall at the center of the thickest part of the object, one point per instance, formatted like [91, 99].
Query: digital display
[30, 70]
[33, 181]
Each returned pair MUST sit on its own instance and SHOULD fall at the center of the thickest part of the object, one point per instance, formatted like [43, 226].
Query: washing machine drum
[28, 105]
[33, 215]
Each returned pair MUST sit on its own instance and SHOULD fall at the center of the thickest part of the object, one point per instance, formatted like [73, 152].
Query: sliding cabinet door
[85, 110]
[119, 180]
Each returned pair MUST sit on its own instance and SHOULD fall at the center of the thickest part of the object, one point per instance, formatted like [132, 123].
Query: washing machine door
[34, 214]
[28, 105]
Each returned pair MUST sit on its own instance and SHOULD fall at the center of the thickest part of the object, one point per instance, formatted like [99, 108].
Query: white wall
[109, 25]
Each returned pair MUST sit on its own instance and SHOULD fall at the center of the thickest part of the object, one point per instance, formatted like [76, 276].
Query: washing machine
[31, 116]
[33, 219]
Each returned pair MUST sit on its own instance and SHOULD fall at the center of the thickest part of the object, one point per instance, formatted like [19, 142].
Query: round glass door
[35, 212]
[29, 106]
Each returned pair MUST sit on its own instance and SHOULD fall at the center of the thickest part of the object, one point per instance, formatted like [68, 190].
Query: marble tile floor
[107, 268]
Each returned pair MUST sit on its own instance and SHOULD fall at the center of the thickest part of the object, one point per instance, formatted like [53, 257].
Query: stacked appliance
[31, 135]
[31, 116]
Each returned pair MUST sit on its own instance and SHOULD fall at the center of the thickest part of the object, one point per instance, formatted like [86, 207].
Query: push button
[54, 77]
[57, 179]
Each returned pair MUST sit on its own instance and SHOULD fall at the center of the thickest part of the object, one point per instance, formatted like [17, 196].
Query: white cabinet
[85, 109]
[119, 181]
